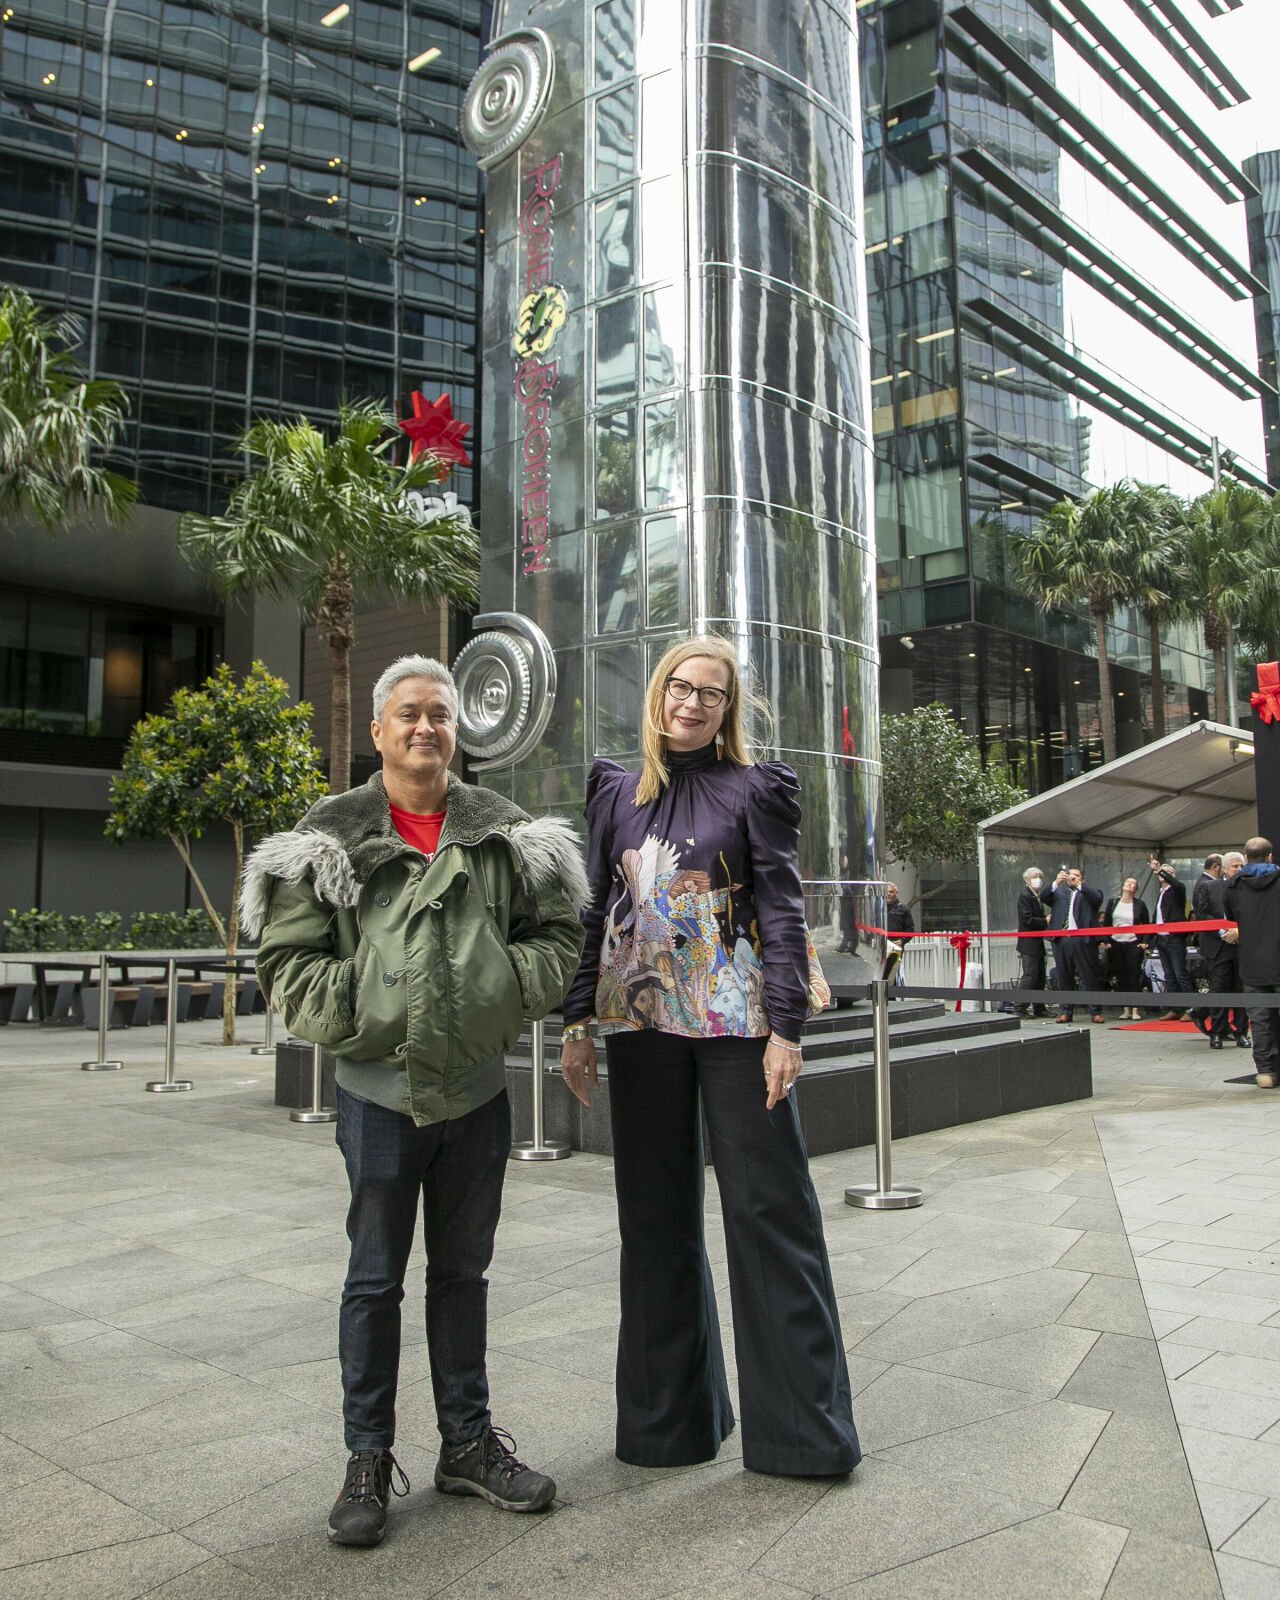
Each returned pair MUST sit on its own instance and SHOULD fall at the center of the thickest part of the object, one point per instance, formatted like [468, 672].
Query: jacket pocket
[491, 1002]
[379, 1005]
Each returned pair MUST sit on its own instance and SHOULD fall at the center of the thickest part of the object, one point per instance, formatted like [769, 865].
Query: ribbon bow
[1265, 699]
[960, 943]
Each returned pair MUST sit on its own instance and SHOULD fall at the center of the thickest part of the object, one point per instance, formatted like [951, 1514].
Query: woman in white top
[1126, 950]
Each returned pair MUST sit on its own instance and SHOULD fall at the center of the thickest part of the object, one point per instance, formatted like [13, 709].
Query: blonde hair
[732, 737]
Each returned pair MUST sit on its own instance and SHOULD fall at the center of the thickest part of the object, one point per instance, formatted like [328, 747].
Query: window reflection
[615, 244]
[615, 137]
[615, 463]
[619, 698]
[617, 580]
[665, 568]
[616, 349]
[614, 41]
[662, 479]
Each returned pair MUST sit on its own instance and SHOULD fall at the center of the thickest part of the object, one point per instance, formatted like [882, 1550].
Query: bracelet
[784, 1044]
[575, 1033]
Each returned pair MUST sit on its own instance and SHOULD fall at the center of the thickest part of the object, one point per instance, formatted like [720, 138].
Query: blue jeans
[456, 1169]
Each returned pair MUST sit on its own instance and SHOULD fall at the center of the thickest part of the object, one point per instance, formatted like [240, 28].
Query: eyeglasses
[710, 698]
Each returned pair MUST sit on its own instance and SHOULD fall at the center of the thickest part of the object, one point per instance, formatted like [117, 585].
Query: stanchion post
[882, 1196]
[538, 1148]
[169, 1084]
[316, 1111]
[267, 1047]
[101, 1063]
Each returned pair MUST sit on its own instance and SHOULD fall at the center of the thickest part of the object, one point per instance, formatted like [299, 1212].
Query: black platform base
[935, 1084]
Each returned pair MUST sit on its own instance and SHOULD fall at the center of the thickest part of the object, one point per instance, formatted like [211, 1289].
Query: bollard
[168, 1084]
[267, 1047]
[881, 1195]
[316, 1111]
[538, 1148]
[101, 1064]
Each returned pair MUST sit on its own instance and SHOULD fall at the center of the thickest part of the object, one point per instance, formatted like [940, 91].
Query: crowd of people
[1115, 945]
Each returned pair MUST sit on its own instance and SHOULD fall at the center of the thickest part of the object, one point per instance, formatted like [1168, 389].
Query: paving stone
[1036, 1362]
[1136, 1476]
[900, 1513]
[1232, 1338]
[1122, 1374]
[1235, 1463]
[1245, 1580]
[1152, 1269]
[1107, 1253]
[1032, 1454]
[1047, 1558]
[1111, 1305]
[965, 1316]
[1206, 1301]
[1224, 1510]
[1150, 1565]
[913, 1403]
[58, 1515]
[119, 1572]
[1202, 1406]
[1258, 1539]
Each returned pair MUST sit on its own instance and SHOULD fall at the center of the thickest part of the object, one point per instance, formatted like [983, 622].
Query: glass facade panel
[979, 427]
[617, 580]
[206, 194]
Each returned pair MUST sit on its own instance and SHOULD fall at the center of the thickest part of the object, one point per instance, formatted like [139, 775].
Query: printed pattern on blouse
[674, 955]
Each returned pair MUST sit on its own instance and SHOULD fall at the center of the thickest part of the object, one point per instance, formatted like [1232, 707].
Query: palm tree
[52, 420]
[1082, 551]
[1259, 624]
[1221, 546]
[326, 517]
[1157, 588]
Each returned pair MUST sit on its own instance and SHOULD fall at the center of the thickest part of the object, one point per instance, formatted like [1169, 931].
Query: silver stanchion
[104, 1022]
[538, 1148]
[169, 1084]
[315, 1112]
[267, 1047]
[881, 1195]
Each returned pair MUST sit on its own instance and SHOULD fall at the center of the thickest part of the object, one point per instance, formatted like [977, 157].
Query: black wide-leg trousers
[793, 1381]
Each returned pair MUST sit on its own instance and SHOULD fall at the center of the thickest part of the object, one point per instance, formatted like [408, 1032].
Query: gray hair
[411, 667]
[1032, 872]
[1233, 857]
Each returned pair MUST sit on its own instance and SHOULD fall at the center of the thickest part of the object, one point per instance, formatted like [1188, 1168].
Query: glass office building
[1060, 298]
[255, 207]
[1264, 255]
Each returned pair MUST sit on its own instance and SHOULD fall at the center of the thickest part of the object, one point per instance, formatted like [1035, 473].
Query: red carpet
[1156, 1027]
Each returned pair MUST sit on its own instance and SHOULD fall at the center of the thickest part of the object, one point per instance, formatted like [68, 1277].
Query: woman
[696, 968]
[1126, 951]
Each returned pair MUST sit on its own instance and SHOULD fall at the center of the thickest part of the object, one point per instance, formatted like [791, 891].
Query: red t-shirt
[423, 833]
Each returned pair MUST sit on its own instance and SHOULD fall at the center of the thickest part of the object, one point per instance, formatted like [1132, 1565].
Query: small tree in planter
[226, 752]
[936, 790]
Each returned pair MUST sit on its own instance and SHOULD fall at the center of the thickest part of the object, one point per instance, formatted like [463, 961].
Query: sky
[1248, 41]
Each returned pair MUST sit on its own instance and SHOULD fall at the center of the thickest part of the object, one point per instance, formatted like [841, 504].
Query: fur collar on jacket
[344, 838]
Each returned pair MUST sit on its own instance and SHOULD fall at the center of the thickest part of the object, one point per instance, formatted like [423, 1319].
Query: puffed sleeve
[773, 835]
[603, 784]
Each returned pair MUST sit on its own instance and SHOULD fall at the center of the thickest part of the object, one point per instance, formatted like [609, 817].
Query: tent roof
[1189, 792]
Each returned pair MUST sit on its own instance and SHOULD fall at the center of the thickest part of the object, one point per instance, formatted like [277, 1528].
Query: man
[1220, 950]
[408, 927]
[1171, 906]
[1031, 952]
[1253, 903]
[900, 926]
[1072, 904]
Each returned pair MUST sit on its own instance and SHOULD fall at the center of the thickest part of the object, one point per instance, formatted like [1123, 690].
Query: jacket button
[389, 978]
[383, 899]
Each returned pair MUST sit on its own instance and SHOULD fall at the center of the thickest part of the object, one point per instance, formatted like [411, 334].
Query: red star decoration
[432, 430]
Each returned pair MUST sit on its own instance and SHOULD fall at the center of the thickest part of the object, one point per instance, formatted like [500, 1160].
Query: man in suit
[1253, 903]
[1221, 952]
[1072, 904]
[1171, 906]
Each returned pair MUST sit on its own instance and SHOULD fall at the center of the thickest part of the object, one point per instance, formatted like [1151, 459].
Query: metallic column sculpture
[676, 420]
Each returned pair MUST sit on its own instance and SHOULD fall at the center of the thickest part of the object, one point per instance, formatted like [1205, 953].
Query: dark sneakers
[487, 1466]
[359, 1514]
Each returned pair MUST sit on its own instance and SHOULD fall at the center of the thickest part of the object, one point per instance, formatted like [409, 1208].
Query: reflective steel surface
[675, 408]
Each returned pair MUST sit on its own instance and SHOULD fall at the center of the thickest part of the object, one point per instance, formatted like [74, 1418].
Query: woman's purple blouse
[696, 921]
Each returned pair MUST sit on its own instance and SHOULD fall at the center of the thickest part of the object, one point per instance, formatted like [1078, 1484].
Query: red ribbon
[960, 943]
[1265, 699]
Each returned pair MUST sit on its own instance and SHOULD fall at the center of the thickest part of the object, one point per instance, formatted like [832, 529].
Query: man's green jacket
[425, 969]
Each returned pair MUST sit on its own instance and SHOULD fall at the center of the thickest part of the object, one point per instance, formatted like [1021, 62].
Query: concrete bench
[15, 1001]
[131, 1005]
